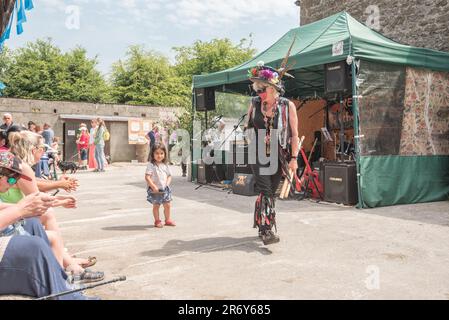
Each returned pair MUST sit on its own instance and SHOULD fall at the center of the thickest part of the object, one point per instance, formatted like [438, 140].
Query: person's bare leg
[167, 211]
[48, 220]
[57, 246]
[156, 212]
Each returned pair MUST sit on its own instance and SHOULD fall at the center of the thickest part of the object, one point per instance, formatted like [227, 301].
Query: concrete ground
[326, 251]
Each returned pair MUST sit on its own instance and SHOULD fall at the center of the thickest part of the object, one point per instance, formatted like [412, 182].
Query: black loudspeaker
[205, 99]
[340, 182]
[337, 77]
[205, 173]
[244, 184]
[240, 157]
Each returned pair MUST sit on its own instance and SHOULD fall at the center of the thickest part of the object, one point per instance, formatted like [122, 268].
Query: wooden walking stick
[285, 190]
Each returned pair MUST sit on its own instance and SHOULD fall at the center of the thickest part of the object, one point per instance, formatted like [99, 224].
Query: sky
[106, 28]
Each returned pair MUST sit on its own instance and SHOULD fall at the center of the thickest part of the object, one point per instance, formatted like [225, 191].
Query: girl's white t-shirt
[158, 174]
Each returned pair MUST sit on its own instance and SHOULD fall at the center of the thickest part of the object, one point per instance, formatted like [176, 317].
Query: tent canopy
[314, 46]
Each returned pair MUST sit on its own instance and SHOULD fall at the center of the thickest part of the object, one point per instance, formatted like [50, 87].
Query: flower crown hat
[265, 74]
[270, 75]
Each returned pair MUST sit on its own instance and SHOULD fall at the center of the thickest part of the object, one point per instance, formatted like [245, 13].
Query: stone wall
[423, 23]
[51, 112]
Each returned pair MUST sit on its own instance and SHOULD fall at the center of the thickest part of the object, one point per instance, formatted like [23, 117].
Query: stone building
[423, 23]
[65, 117]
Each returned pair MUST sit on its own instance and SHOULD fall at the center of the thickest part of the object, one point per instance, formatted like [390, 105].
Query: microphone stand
[233, 130]
[215, 171]
[235, 140]
[215, 122]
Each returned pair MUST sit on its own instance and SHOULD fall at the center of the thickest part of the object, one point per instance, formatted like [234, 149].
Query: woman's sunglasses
[261, 90]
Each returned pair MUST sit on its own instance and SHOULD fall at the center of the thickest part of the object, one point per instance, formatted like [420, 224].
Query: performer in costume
[268, 110]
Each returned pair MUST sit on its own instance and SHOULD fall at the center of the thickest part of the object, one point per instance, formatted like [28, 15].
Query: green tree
[41, 71]
[208, 57]
[5, 62]
[146, 77]
[215, 55]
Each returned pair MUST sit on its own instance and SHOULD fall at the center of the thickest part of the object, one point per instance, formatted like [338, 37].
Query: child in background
[55, 148]
[158, 178]
[83, 146]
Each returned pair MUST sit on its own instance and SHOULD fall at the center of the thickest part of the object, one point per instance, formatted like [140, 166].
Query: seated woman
[27, 264]
[28, 147]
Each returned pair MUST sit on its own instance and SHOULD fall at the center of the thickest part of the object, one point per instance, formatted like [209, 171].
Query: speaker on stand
[338, 80]
[205, 99]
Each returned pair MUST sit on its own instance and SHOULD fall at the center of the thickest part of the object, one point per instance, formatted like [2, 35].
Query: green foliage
[146, 77]
[231, 105]
[208, 57]
[5, 61]
[41, 71]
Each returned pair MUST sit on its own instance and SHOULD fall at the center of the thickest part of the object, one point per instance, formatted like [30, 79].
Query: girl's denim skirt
[159, 198]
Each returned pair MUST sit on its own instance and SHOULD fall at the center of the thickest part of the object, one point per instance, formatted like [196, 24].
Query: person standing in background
[83, 147]
[48, 134]
[31, 126]
[78, 146]
[91, 157]
[99, 145]
[7, 118]
[152, 138]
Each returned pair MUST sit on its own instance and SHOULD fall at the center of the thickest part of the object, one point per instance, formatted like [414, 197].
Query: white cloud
[52, 4]
[128, 4]
[220, 13]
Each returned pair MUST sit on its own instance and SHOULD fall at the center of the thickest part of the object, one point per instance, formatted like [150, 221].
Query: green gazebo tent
[400, 105]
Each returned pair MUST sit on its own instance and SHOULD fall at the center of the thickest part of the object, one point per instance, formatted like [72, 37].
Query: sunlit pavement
[326, 251]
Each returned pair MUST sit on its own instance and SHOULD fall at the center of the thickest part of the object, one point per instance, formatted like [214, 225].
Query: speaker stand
[342, 129]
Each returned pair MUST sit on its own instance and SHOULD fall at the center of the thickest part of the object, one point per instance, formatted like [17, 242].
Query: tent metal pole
[355, 110]
[192, 179]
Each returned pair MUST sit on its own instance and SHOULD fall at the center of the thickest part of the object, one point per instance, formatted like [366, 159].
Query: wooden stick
[285, 190]
[286, 186]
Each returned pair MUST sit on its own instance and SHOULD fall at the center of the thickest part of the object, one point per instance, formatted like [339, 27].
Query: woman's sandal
[87, 276]
[158, 224]
[92, 262]
[170, 223]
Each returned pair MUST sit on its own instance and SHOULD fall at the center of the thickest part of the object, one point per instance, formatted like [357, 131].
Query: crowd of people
[33, 259]
[90, 145]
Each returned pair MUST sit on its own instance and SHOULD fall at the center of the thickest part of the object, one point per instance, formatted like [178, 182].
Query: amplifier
[244, 184]
[205, 173]
[340, 182]
[240, 157]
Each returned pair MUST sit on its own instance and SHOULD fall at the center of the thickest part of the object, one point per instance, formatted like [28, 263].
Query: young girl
[158, 178]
